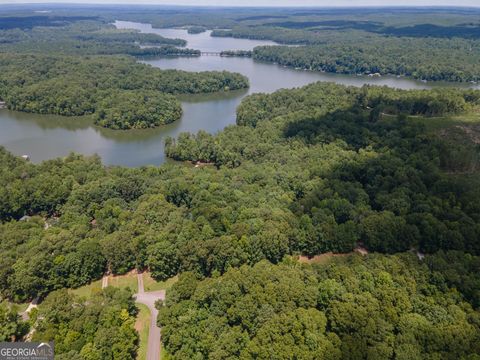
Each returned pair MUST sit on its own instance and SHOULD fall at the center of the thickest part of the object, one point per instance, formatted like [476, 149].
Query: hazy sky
[266, 2]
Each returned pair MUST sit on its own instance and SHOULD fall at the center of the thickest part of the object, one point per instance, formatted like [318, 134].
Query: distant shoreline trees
[75, 86]
[355, 52]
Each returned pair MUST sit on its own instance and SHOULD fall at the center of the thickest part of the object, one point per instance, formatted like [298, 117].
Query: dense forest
[431, 45]
[433, 21]
[358, 52]
[67, 85]
[434, 45]
[121, 93]
[277, 34]
[379, 307]
[196, 29]
[12, 327]
[239, 53]
[313, 174]
[426, 59]
[358, 169]
[137, 110]
[317, 169]
[100, 328]
[80, 36]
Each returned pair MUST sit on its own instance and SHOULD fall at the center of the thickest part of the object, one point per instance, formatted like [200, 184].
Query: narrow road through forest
[148, 299]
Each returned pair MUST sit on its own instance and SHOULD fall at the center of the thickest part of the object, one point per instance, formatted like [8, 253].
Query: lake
[46, 137]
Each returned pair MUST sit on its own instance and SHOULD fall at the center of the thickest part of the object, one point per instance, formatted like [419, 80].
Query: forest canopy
[307, 171]
[66, 85]
[264, 221]
[80, 36]
[101, 327]
[135, 110]
[84, 78]
[426, 51]
[425, 59]
[374, 308]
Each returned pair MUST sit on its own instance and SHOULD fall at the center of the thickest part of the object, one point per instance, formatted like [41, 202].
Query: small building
[3, 105]
[26, 157]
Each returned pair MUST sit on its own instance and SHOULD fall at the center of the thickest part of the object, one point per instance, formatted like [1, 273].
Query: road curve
[148, 299]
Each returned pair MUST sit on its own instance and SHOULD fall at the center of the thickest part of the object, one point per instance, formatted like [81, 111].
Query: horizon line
[250, 6]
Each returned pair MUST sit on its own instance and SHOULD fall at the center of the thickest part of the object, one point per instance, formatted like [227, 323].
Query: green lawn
[87, 290]
[22, 307]
[142, 326]
[438, 123]
[123, 281]
[19, 307]
[151, 285]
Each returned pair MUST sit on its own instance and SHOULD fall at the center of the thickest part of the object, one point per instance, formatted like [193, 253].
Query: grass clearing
[20, 308]
[435, 124]
[152, 285]
[142, 325]
[124, 281]
[87, 290]
[319, 259]
[120, 281]
[329, 256]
